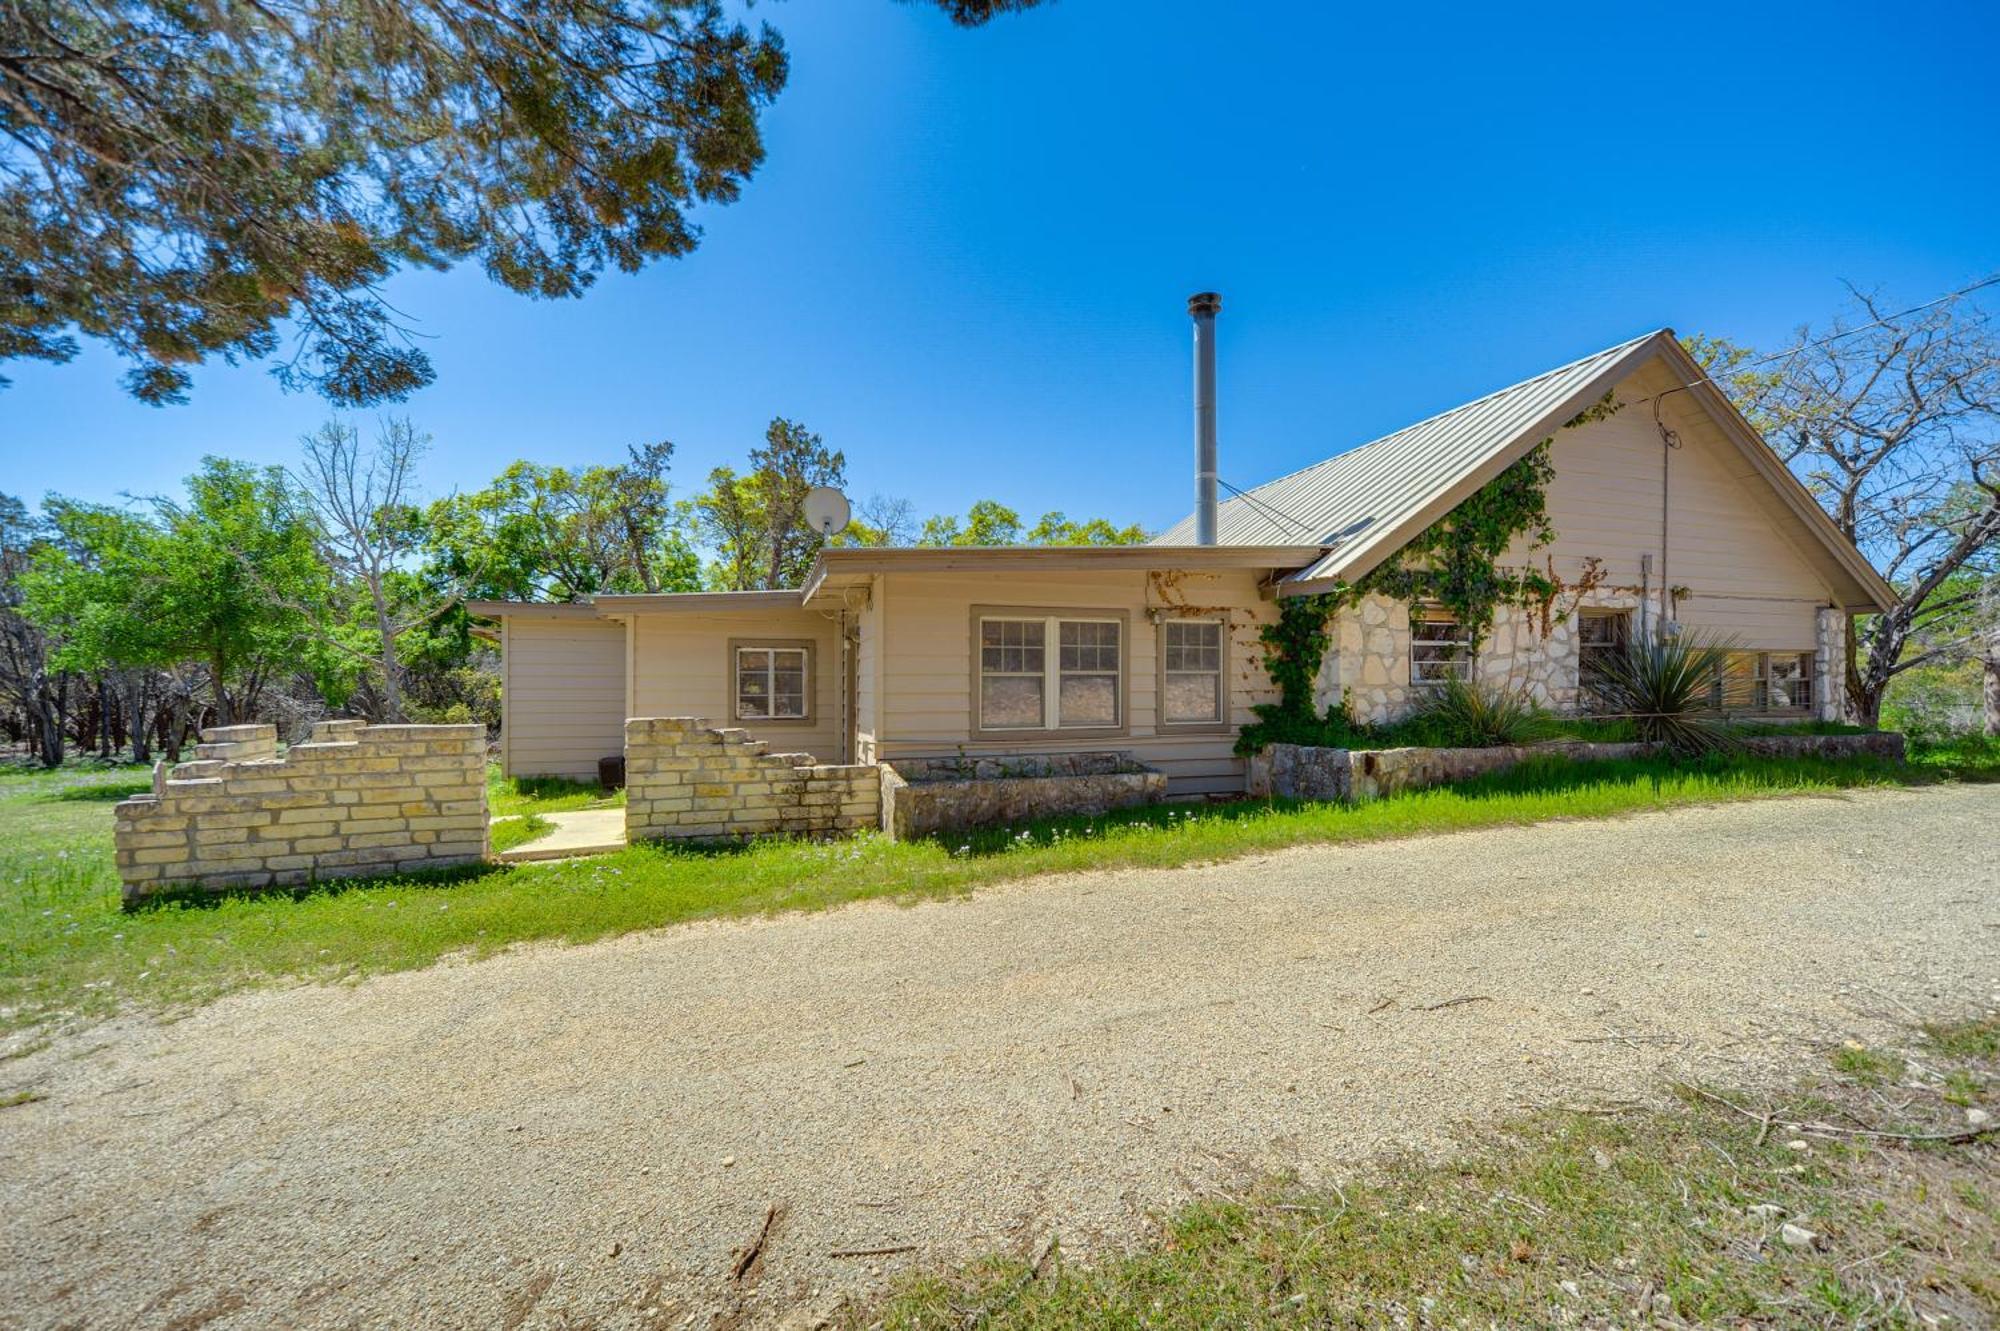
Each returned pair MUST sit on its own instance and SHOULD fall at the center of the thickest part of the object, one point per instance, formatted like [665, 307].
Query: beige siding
[1729, 540]
[927, 688]
[564, 704]
[681, 667]
[868, 678]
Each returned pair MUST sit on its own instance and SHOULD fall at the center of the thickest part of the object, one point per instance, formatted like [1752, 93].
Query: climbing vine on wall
[1453, 563]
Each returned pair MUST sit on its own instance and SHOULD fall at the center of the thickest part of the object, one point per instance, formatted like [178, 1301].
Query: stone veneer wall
[1369, 656]
[923, 796]
[686, 780]
[354, 799]
[1302, 772]
[1830, 665]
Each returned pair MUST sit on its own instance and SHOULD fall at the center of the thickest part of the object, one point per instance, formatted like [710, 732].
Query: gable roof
[1368, 502]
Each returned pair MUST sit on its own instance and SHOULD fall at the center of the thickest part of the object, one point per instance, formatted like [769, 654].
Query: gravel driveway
[586, 1136]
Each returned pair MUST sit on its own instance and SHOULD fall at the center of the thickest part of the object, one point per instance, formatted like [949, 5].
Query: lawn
[1731, 1210]
[67, 951]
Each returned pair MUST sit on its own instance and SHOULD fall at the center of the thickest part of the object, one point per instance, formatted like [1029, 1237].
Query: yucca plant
[1465, 715]
[1666, 686]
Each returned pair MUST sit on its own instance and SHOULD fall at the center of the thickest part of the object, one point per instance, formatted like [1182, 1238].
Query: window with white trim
[771, 683]
[1023, 685]
[1191, 671]
[1440, 647]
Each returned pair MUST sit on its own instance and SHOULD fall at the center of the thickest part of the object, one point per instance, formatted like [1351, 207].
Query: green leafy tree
[542, 533]
[1056, 529]
[179, 180]
[989, 522]
[228, 576]
[756, 521]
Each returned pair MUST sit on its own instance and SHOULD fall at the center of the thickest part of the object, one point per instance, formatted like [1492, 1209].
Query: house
[1670, 514]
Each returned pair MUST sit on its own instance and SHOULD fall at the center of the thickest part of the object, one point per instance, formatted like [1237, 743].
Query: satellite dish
[826, 509]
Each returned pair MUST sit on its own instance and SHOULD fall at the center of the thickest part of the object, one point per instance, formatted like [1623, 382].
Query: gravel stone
[278, 1158]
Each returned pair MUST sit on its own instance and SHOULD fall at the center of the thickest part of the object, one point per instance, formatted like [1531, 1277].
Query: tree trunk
[392, 693]
[135, 716]
[1990, 671]
[224, 711]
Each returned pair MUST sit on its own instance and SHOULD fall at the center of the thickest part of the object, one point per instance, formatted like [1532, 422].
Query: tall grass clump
[1465, 715]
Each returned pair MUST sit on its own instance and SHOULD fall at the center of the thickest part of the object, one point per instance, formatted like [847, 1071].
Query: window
[1025, 685]
[1788, 681]
[1440, 648]
[1764, 682]
[1191, 672]
[771, 681]
[1601, 636]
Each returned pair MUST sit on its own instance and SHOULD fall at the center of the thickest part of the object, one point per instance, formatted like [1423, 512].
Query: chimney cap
[1204, 302]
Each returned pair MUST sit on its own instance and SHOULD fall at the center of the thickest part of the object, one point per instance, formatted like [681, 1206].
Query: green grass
[519, 831]
[1670, 1217]
[545, 794]
[1960, 757]
[68, 952]
[1868, 1067]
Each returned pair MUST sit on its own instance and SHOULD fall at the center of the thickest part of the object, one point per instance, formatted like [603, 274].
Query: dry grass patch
[1853, 1200]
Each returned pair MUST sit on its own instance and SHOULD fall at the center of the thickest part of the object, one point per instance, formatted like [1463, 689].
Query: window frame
[1052, 618]
[1160, 718]
[1615, 614]
[1470, 660]
[732, 681]
[1759, 679]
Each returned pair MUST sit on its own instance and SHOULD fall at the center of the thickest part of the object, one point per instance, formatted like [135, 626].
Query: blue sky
[966, 259]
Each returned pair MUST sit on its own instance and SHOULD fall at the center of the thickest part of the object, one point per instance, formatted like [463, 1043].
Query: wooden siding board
[563, 696]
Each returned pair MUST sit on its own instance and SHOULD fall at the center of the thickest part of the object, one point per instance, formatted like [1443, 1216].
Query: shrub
[1663, 686]
[1464, 715]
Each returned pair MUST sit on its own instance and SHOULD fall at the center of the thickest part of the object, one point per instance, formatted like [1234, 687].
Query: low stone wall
[354, 799]
[925, 796]
[686, 780]
[1295, 771]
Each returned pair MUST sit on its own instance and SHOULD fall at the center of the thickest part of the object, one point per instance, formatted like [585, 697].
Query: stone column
[1830, 664]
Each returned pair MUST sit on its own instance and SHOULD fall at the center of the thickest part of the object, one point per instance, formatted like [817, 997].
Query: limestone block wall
[687, 780]
[354, 799]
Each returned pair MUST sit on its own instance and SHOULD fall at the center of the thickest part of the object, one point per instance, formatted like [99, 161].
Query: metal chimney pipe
[1203, 306]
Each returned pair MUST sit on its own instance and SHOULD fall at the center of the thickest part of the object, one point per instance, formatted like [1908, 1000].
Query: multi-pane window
[1191, 671]
[1012, 671]
[1601, 637]
[1440, 648]
[1088, 691]
[1788, 681]
[771, 683]
[1025, 686]
[1764, 682]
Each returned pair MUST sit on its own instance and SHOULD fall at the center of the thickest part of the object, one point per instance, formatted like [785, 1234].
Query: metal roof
[1371, 499]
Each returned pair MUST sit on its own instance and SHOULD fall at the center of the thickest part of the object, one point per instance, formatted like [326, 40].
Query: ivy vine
[1453, 563]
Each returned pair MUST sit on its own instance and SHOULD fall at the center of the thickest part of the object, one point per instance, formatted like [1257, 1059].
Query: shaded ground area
[600, 1133]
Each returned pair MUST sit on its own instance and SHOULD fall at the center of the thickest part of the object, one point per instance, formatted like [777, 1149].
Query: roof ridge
[1612, 350]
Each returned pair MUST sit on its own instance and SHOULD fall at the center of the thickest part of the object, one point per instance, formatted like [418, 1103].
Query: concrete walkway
[592, 1135]
[579, 832]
